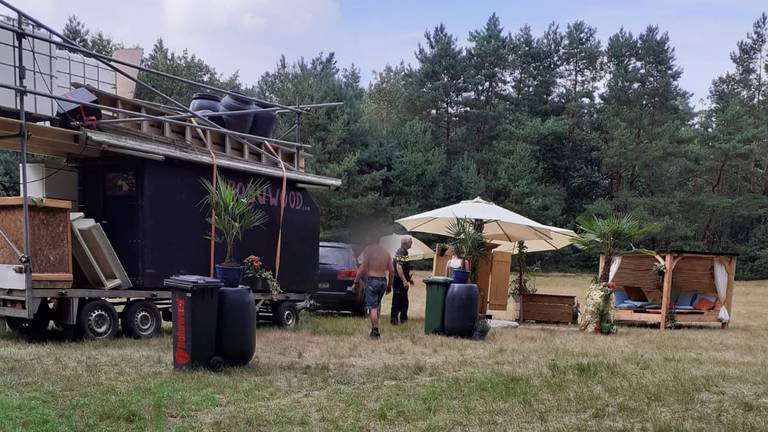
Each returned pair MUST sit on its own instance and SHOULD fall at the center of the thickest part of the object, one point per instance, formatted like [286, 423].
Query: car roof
[335, 244]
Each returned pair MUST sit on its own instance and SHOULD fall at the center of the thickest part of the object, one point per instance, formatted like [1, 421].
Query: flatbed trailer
[92, 313]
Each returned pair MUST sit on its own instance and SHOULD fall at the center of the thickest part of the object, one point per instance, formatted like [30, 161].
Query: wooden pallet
[190, 136]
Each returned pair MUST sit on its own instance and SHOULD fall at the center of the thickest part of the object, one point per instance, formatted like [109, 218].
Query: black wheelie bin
[195, 313]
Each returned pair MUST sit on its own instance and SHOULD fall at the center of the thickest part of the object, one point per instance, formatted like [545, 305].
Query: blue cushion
[637, 303]
[684, 307]
[619, 297]
[625, 306]
[685, 299]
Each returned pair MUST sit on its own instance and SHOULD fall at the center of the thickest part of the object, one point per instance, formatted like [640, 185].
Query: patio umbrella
[561, 238]
[498, 222]
[418, 251]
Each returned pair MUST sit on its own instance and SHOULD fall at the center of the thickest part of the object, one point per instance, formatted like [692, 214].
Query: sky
[250, 35]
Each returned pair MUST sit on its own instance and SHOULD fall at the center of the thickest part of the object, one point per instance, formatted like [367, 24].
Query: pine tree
[440, 79]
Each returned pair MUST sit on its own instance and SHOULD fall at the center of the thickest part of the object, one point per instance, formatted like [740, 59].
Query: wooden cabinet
[50, 239]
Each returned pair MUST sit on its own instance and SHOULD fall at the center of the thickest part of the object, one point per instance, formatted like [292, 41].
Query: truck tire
[97, 320]
[285, 315]
[141, 320]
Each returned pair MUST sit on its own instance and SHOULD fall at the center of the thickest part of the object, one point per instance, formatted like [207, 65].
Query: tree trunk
[606, 272]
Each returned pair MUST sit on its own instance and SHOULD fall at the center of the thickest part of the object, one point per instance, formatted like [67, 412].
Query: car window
[334, 256]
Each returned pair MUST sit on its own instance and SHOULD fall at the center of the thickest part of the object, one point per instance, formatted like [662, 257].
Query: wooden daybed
[686, 273]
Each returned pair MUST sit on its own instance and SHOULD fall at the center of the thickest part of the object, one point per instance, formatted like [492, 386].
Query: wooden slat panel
[499, 290]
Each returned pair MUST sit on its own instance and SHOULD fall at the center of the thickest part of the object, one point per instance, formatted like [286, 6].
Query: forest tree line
[556, 126]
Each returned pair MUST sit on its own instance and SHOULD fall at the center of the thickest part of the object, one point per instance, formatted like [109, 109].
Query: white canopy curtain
[615, 264]
[721, 284]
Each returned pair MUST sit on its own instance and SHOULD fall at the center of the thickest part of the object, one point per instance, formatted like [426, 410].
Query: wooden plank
[729, 292]
[666, 290]
[499, 286]
[631, 316]
[440, 262]
[484, 277]
[47, 202]
[52, 277]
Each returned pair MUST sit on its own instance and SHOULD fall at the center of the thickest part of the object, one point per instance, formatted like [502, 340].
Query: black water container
[238, 122]
[205, 101]
[264, 122]
[219, 120]
[236, 329]
[461, 307]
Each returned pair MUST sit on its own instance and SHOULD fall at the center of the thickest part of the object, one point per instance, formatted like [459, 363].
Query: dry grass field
[328, 376]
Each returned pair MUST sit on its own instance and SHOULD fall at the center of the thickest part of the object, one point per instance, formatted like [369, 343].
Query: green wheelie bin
[437, 286]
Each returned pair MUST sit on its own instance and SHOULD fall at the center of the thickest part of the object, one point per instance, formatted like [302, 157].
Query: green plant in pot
[482, 328]
[468, 243]
[232, 212]
[259, 278]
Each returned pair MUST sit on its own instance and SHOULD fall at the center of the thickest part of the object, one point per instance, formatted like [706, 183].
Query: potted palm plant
[469, 244]
[606, 236]
[232, 212]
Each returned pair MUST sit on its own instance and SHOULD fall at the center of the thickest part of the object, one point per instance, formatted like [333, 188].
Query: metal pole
[207, 115]
[278, 142]
[21, 93]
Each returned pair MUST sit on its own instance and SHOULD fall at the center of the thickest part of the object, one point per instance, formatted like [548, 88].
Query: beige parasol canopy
[418, 251]
[498, 222]
[561, 238]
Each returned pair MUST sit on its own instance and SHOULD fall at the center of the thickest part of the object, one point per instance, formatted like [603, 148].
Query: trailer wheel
[97, 320]
[36, 326]
[285, 315]
[141, 320]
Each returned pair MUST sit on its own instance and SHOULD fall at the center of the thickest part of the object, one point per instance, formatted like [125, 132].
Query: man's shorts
[374, 291]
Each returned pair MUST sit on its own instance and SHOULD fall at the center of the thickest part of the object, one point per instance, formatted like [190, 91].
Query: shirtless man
[378, 269]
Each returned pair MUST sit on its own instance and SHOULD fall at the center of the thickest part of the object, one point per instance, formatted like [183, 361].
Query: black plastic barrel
[236, 340]
[264, 122]
[219, 120]
[205, 101]
[195, 306]
[237, 122]
[461, 307]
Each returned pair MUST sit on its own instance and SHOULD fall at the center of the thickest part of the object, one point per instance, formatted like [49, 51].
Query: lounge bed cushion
[637, 304]
[685, 300]
[704, 302]
[683, 307]
[619, 297]
[635, 293]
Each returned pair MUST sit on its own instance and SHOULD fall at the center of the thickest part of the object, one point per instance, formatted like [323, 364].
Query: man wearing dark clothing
[402, 282]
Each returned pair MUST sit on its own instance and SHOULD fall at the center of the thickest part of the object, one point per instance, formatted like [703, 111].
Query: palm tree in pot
[232, 212]
[606, 236]
[468, 243]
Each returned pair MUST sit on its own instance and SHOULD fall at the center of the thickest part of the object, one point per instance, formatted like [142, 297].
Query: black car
[336, 279]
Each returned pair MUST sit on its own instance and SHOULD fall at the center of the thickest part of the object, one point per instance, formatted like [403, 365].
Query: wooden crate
[547, 308]
[50, 239]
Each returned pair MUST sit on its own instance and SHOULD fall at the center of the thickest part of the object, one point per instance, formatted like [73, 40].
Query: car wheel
[97, 320]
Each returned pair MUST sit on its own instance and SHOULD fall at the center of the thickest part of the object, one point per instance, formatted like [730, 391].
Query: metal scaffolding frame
[184, 112]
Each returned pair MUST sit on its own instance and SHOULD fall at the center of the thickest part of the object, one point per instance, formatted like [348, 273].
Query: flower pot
[460, 276]
[479, 335]
[229, 275]
[258, 284]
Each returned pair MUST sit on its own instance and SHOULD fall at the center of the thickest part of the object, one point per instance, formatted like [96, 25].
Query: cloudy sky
[250, 35]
